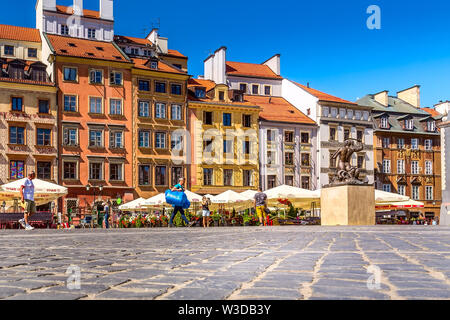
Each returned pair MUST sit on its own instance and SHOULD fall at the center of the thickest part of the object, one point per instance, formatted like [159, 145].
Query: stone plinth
[348, 205]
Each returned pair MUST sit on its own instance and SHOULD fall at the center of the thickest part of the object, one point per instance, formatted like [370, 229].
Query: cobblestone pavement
[228, 263]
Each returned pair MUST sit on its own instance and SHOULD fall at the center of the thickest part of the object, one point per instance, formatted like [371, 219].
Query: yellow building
[28, 110]
[224, 139]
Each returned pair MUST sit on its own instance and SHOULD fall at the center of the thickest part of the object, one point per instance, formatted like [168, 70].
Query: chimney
[153, 36]
[382, 98]
[411, 96]
[107, 9]
[49, 5]
[219, 66]
[274, 64]
[208, 67]
[162, 44]
[78, 7]
[443, 107]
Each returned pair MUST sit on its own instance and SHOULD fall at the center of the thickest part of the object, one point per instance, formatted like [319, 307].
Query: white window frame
[414, 167]
[159, 107]
[114, 101]
[160, 143]
[386, 166]
[428, 167]
[94, 74]
[429, 195]
[401, 189]
[415, 192]
[414, 144]
[428, 144]
[387, 187]
[400, 166]
[178, 112]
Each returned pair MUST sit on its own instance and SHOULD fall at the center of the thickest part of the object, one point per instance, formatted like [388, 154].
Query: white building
[75, 21]
[444, 108]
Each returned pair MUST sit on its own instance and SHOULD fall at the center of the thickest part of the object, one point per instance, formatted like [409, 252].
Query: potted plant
[247, 219]
[216, 219]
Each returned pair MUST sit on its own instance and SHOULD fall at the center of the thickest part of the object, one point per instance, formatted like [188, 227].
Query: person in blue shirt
[180, 188]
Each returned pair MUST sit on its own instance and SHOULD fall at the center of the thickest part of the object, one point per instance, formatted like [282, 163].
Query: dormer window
[384, 123]
[431, 126]
[238, 97]
[32, 53]
[221, 95]
[409, 124]
[200, 92]
[8, 50]
[154, 65]
[91, 33]
[134, 51]
[64, 30]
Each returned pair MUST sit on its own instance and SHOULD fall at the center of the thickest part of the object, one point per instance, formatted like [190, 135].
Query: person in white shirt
[27, 196]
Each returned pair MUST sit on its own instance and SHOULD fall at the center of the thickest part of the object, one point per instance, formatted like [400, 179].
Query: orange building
[94, 120]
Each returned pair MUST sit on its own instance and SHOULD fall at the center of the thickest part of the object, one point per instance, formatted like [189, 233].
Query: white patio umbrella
[298, 196]
[249, 194]
[44, 192]
[230, 199]
[160, 199]
[383, 196]
[132, 205]
[400, 205]
[193, 197]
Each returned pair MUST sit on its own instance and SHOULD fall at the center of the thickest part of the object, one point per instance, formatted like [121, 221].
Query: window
[333, 112]
[325, 111]
[96, 76]
[255, 89]
[115, 78]
[176, 112]
[160, 140]
[360, 161]
[144, 175]
[95, 105]
[415, 144]
[70, 136]
[160, 87]
[70, 103]
[116, 139]
[428, 144]
[227, 146]
[91, 33]
[267, 90]
[227, 119]
[160, 111]
[387, 187]
[144, 139]
[247, 178]
[95, 171]
[305, 183]
[400, 143]
[414, 167]
[176, 142]
[175, 89]
[44, 137]
[243, 87]
[200, 92]
[144, 109]
[346, 134]
[350, 114]
[115, 172]
[134, 51]
[207, 146]
[289, 180]
[64, 30]
[16, 169]
[415, 192]
[32, 53]
[17, 135]
[289, 158]
[207, 176]
[247, 120]
[304, 137]
[115, 107]
[208, 118]
[70, 74]
[401, 166]
[246, 147]
[227, 177]
[270, 135]
[44, 170]
[289, 136]
[332, 134]
[386, 166]
[144, 85]
[17, 104]
[431, 126]
[271, 182]
[154, 65]
[96, 138]
[160, 176]
[384, 123]
[429, 193]
[428, 167]
[332, 160]
[386, 143]
[70, 170]
[44, 107]
[8, 50]
[359, 135]
[409, 124]
[221, 95]
[306, 159]
[342, 113]
[401, 189]
[177, 173]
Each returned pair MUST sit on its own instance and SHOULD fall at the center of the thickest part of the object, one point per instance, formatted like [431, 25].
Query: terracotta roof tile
[322, 95]
[86, 13]
[278, 109]
[162, 66]
[250, 70]
[89, 49]
[433, 112]
[176, 53]
[19, 33]
[207, 84]
[133, 40]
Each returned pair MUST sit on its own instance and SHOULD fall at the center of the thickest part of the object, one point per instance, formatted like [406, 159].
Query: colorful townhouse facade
[406, 149]
[224, 139]
[444, 108]
[288, 137]
[28, 108]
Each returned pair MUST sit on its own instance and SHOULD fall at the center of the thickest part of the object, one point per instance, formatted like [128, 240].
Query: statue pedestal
[348, 205]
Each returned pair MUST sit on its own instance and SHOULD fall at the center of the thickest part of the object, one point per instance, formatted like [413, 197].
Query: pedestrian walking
[206, 212]
[260, 202]
[107, 208]
[180, 188]
[27, 197]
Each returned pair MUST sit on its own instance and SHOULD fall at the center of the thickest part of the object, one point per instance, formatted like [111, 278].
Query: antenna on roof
[307, 84]
[156, 25]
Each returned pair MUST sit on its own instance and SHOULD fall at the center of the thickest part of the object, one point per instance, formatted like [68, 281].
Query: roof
[278, 109]
[176, 53]
[86, 13]
[144, 42]
[19, 33]
[83, 48]
[432, 112]
[322, 95]
[250, 70]
[162, 66]
[394, 105]
[207, 84]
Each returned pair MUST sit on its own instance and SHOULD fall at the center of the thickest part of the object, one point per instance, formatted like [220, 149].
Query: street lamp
[100, 188]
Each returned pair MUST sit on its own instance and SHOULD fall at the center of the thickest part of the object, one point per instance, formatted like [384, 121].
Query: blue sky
[323, 42]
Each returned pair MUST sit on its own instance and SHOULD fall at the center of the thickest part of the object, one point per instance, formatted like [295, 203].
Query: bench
[37, 220]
